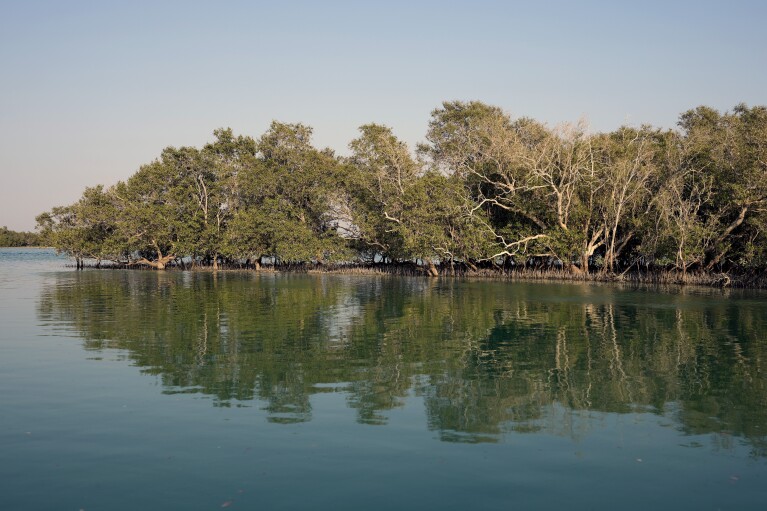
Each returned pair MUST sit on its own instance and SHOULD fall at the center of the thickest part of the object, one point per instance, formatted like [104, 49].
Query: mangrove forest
[9, 238]
[485, 193]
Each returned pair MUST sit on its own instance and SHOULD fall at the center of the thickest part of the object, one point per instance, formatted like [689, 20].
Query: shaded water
[179, 390]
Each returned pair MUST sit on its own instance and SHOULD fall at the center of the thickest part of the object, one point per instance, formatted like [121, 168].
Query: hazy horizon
[92, 91]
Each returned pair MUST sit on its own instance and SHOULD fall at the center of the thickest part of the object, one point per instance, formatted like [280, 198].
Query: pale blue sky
[90, 90]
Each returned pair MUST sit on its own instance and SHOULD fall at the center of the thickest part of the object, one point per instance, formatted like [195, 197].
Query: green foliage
[436, 224]
[484, 186]
[85, 229]
[378, 175]
[731, 148]
[9, 238]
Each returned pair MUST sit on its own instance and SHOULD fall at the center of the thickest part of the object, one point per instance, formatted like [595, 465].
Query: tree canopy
[485, 189]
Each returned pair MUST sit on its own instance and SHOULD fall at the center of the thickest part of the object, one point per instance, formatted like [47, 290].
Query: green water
[146, 390]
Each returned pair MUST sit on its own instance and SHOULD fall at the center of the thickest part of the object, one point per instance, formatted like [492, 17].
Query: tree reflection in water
[487, 358]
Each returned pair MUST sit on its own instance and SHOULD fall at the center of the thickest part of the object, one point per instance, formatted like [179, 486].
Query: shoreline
[718, 280]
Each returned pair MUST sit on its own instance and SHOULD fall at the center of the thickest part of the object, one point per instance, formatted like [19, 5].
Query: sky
[91, 90]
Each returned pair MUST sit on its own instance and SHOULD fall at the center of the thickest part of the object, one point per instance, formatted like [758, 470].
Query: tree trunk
[623, 243]
[160, 264]
[585, 263]
[717, 256]
[589, 248]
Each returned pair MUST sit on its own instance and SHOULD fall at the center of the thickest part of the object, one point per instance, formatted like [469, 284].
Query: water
[146, 390]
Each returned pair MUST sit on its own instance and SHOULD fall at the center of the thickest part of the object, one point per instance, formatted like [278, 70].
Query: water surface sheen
[179, 390]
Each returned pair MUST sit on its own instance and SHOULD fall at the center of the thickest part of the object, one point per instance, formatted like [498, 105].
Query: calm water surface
[146, 390]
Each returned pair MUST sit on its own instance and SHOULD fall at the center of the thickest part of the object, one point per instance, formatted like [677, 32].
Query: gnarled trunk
[161, 262]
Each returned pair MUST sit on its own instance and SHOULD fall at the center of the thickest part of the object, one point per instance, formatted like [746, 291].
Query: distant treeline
[485, 191]
[9, 238]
